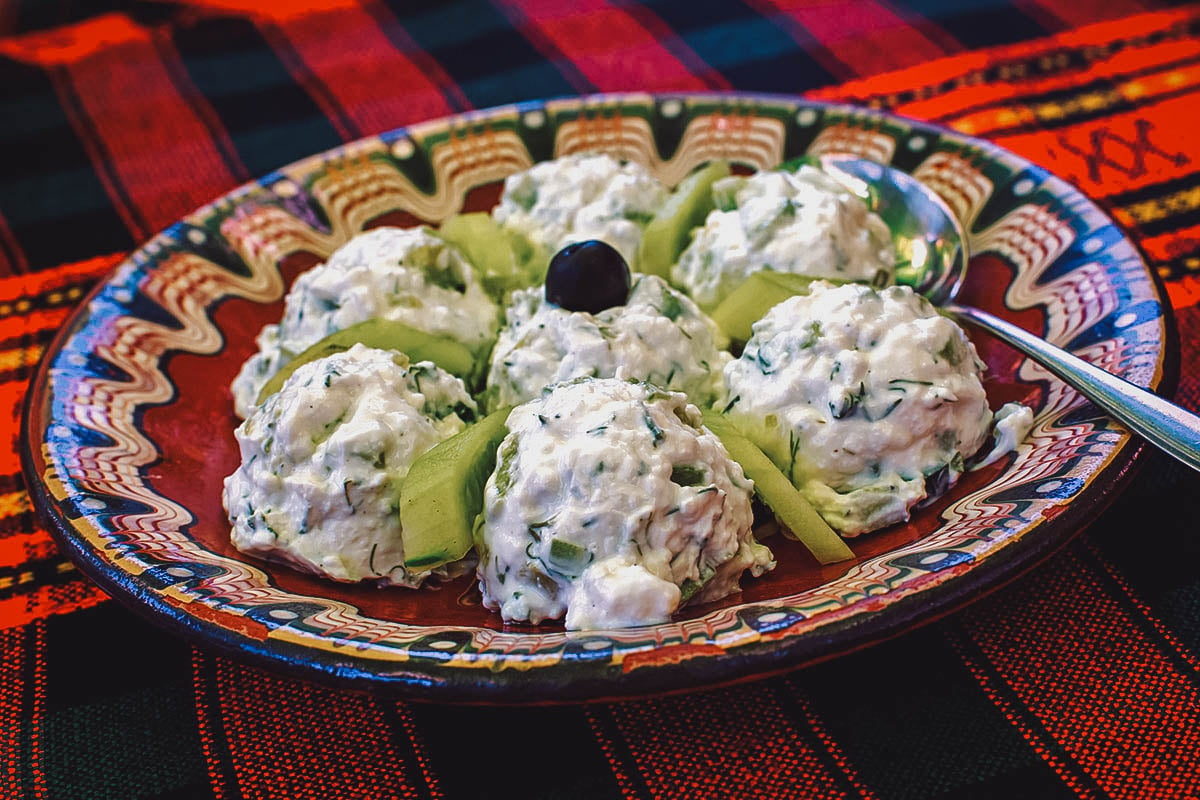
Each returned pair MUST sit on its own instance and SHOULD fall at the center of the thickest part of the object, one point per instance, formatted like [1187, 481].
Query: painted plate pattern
[129, 423]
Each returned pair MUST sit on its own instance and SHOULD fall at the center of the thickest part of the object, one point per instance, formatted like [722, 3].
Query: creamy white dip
[868, 400]
[803, 222]
[580, 197]
[658, 336]
[322, 459]
[407, 275]
[612, 505]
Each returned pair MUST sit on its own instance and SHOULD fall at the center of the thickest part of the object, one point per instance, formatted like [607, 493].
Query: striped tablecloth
[1080, 679]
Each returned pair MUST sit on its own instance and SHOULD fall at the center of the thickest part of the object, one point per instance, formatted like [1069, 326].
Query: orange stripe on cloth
[639, 61]
[272, 757]
[658, 736]
[1079, 666]
[15, 287]
[944, 86]
[67, 44]
[144, 135]
[1185, 293]
[359, 73]
[28, 543]
[46, 601]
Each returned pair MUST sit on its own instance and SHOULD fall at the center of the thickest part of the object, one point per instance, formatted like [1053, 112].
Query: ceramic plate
[129, 425]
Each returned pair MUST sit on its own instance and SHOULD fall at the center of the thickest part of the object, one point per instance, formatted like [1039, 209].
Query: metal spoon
[927, 230]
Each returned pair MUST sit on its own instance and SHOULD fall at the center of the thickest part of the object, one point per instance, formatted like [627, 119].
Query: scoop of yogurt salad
[406, 275]
[610, 503]
[322, 460]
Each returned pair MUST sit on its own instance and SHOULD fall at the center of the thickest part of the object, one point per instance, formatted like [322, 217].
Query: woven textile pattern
[1080, 679]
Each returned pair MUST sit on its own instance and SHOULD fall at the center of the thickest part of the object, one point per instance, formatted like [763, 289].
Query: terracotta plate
[129, 426]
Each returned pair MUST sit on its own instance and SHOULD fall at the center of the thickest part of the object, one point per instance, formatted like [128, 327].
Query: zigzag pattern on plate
[265, 234]
[756, 141]
[185, 285]
[869, 144]
[959, 182]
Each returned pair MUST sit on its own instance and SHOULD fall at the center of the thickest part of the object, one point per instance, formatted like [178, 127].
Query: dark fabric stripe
[63, 296]
[316, 88]
[179, 77]
[137, 683]
[982, 23]
[808, 42]
[1155, 190]
[24, 522]
[1066, 95]
[1170, 587]
[1184, 662]
[559, 740]
[402, 41]
[32, 667]
[675, 44]
[12, 257]
[914, 723]
[102, 160]
[1004, 699]
[402, 732]
[214, 739]
[47, 183]
[491, 62]
[1175, 204]
[787, 694]
[29, 576]
[616, 749]
[579, 82]
[270, 119]
[748, 49]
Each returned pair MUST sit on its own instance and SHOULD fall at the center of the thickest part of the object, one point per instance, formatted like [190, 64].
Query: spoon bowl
[932, 257]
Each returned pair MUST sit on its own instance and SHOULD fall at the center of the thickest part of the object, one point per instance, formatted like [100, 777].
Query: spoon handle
[1159, 421]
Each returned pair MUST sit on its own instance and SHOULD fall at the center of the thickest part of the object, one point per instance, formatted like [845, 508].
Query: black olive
[587, 276]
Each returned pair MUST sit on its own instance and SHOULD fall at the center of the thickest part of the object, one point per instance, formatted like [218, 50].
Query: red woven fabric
[1080, 679]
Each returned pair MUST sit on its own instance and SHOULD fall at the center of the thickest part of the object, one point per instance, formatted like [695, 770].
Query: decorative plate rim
[771, 651]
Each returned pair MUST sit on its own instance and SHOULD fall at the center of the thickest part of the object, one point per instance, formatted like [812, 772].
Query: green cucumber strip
[789, 506]
[443, 493]
[757, 295]
[484, 243]
[452, 356]
[668, 233]
[568, 557]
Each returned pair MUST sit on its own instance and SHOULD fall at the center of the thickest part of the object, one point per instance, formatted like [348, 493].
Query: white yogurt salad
[867, 399]
[612, 505]
[802, 222]
[595, 494]
[658, 336]
[323, 457]
[406, 275]
[579, 197]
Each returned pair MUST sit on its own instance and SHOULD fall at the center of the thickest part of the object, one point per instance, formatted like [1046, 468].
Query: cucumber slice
[789, 506]
[568, 558]
[452, 356]
[505, 259]
[667, 234]
[757, 295]
[443, 493]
